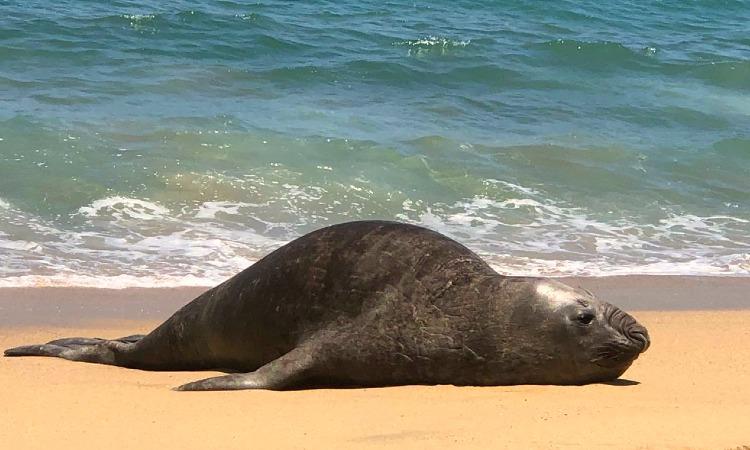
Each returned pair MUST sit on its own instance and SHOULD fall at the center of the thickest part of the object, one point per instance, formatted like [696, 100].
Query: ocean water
[148, 143]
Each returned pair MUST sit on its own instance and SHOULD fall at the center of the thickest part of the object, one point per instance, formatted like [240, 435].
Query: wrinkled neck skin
[543, 337]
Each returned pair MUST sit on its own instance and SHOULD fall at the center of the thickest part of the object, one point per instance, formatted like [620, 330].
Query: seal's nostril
[640, 335]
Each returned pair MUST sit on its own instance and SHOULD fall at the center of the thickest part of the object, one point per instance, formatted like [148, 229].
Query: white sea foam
[138, 16]
[128, 242]
[432, 45]
[553, 239]
[123, 207]
[209, 210]
[435, 41]
[20, 245]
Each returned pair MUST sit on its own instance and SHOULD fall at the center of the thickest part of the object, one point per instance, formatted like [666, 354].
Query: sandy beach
[690, 390]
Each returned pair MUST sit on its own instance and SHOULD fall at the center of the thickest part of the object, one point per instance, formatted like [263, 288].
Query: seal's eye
[585, 317]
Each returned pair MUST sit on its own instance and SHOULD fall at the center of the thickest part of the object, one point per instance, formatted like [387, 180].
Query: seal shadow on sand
[621, 382]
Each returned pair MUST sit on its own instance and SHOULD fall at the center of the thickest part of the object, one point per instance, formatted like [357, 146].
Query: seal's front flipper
[233, 382]
[92, 350]
[290, 370]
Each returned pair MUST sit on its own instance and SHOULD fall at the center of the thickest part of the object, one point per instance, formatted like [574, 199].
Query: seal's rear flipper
[282, 373]
[132, 339]
[92, 350]
[76, 341]
[36, 350]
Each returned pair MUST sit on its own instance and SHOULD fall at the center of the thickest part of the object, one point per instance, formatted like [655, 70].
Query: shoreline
[81, 306]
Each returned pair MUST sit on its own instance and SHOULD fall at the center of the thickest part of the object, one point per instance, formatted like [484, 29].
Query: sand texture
[690, 390]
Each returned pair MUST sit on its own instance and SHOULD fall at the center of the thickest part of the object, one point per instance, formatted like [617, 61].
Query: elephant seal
[377, 303]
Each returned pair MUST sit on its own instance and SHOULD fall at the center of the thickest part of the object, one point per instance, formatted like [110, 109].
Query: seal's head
[594, 340]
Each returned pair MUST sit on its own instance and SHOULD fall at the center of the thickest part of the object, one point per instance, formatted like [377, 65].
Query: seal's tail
[93, 350]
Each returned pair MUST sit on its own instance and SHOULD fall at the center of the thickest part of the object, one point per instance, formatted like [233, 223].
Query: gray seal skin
[377, 303]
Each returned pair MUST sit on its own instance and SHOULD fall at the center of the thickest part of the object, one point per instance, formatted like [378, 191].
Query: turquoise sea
[149, 143]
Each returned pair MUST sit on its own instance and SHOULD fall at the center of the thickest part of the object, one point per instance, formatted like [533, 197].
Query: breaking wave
[129, 242]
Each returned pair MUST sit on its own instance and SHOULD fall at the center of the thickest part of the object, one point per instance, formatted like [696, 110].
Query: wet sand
[690, 390]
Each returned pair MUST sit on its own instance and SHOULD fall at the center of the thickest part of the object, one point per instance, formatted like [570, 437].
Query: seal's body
[372, 304]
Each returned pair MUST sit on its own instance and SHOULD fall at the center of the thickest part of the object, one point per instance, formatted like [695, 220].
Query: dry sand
[690, 390]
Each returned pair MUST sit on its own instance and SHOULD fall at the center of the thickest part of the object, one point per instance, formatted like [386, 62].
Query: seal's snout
[635, 332]
[638, 334]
